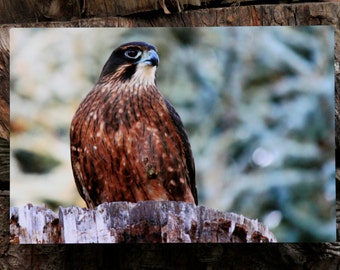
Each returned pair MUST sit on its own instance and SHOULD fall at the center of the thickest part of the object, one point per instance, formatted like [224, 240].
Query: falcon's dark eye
[133, 53]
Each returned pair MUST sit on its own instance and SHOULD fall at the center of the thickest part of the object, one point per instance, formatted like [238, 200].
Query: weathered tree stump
[142, 222]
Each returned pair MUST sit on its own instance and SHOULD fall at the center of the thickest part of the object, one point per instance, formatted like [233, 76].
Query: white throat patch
[144, 75]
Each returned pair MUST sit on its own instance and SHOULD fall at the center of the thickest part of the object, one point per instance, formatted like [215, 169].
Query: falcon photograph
[237, 119]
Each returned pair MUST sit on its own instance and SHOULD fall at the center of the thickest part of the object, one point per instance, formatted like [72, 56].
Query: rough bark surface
[18, 11]
[4, 84]
[198, 256]
[142, 222]
[252, 15]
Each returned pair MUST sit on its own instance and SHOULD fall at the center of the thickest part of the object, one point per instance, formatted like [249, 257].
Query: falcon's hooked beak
[150, 58]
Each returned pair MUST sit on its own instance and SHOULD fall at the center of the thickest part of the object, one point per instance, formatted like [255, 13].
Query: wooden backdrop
[100, 13]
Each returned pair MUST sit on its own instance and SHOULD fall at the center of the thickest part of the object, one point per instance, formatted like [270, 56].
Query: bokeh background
[257, 104]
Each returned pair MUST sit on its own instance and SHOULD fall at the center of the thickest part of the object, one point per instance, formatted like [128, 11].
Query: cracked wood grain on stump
[142, 222]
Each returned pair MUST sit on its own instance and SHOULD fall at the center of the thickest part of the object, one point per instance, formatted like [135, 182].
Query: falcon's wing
[187, 149]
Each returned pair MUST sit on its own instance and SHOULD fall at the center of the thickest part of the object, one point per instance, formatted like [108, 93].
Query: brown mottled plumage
[127, 141]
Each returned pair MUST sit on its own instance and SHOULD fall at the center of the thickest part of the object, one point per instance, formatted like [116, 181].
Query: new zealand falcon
[127, 141]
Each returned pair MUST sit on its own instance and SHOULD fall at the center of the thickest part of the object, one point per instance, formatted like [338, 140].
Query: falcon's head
[135, 62]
